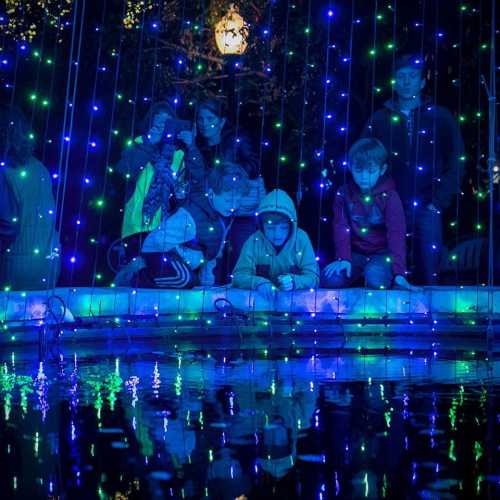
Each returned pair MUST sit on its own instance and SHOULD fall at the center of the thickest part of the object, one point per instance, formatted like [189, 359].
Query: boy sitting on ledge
[279, 255]
[368, 224]
[182, 252]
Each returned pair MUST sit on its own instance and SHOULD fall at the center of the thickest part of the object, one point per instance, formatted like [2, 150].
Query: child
[279, 255]
[369, 224]
[183, 250]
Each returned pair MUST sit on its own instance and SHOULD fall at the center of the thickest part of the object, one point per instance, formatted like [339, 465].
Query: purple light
[179, 61]
[415, 203]
[95, 108]
[265, 32]
[73, 260]
[330, 13]
[440, 35]
[93, 144]
[4, 61]
[87, 180]
[67, 138]
[23, 47]
[329, 116]
[78, 222]
[55, 176]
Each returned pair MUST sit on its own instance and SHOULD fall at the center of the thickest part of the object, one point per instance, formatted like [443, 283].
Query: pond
[250, 424]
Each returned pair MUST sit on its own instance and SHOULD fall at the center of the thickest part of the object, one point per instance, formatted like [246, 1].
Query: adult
[29, 259]
[427, 161]
[218, 142]
[154, 170]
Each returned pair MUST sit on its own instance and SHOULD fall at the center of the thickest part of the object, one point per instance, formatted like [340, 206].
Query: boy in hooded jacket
[279, 255]
[369, 226]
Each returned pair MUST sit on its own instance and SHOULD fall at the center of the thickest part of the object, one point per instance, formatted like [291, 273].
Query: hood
[393, 103]
[384, 184]
[279, 201]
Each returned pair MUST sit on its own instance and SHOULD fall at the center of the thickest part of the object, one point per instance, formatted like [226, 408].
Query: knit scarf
[162, 185]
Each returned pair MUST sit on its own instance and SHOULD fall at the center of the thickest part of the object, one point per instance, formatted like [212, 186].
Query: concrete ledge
[350, 303]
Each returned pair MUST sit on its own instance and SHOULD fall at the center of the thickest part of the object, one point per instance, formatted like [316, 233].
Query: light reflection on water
[233, 424]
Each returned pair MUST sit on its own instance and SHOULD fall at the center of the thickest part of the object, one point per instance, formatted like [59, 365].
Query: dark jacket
[202, 158]
[370, 225]
[426, 152]
[9, 213]
[195, 225]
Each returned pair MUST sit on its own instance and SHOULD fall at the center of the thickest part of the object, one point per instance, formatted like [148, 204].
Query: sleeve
[134, 158]
[8, 212]
[195, 168]
[341, 229]
[396, 232]
[245, 271]
[453, 164]
[308, 277]
[175, 230]
[247, 157]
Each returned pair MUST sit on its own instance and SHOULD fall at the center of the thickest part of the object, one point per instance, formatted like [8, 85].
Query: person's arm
[8, 212]
[135, 157]
[175, 230]
[452, 148]
[396, 233]
[245, 271]
[308, 277]
[195, 168]
[341, 229]
[247, 156]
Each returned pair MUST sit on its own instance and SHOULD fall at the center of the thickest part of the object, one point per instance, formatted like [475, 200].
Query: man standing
[427, 160]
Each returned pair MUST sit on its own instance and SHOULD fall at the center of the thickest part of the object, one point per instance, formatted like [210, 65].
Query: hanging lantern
[231, 33]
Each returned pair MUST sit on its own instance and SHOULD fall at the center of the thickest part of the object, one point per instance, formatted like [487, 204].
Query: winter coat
[260, 262]
[426, 152]
[370, 224]
[32, 260]
[136, 165]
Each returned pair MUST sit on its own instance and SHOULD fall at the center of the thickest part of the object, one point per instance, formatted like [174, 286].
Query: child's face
[366, 176]
[276, 232]
[226, 202]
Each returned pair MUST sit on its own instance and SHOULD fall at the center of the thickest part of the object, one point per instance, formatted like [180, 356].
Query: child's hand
[337, 267]
[401, 283]
[267, 290]
[285, 282]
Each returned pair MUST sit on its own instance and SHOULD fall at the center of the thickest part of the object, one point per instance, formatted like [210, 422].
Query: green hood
[278, 201]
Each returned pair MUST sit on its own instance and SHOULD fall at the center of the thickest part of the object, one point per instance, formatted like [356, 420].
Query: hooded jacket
[426, 151]
[260, 262]
[373, 224]
[32, 260]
